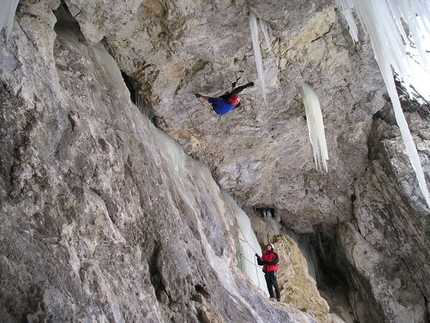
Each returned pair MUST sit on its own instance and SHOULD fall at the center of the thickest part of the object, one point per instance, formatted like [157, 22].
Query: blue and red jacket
[269, 260]
[221, 106]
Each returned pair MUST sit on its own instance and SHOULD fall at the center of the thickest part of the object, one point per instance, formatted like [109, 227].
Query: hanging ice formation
[382, 19]
[265, 31]
[315, 126]
[257, 52]
[6, 15]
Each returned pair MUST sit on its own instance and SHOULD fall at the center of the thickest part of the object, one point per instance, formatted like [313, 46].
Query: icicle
[346, 7]
[257, 52]
[407, 138]
[321, 246]
[264, 29]
[382, 20]
[7, 14]
[315, 126]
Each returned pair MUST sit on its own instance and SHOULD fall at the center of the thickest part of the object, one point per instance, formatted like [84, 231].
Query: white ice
[265, 31]
[383, 21]
[257, 53]
[346, 6]
[177, 161]
[315, 126]
[248, 246]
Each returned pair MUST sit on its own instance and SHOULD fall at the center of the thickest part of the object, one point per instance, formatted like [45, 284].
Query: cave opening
[325, 263]
[136, 97]
[65, 20]
[331, 276]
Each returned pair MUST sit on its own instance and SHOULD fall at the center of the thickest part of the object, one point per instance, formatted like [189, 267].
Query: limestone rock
[95, 222]
[104, 218]
[298, 287]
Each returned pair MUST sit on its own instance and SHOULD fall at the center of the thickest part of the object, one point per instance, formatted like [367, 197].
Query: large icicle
[382, 20]
[7, 13]
[315, 126]
[257, 52]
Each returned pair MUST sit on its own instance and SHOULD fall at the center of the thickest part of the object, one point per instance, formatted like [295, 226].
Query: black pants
[227, 96]
[271, 282]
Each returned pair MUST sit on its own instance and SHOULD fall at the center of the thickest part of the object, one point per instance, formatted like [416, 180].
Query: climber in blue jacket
[228, 101]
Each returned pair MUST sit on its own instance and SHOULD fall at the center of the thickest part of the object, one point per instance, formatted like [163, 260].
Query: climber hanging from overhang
[229, 100]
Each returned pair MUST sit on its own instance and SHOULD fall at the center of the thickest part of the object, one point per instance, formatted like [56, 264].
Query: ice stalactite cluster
[313, 110]
[315, 126]
[384, 21]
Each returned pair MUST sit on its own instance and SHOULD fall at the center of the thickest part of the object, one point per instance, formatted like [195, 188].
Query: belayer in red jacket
[269, 261]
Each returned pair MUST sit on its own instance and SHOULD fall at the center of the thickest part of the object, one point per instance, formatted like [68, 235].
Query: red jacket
[269, 261]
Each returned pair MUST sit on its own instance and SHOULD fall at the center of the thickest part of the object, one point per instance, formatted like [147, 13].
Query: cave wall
[78, 157]
[96, 224]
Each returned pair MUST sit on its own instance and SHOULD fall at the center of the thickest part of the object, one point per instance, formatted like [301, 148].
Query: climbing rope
[238, 76]
[186, 109]
[253, 263]
[246, 241]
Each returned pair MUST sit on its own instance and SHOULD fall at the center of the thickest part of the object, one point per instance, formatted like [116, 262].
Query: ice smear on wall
[315, 126]
[383, 20]
[107, 64]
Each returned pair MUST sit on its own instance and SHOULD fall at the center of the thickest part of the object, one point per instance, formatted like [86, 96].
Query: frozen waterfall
[383, 20]
[178, 161]
[180, 166]
[315, 126]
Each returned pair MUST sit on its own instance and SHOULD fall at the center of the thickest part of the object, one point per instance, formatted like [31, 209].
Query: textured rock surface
[93, 222]
[97, 223]
[299, 288]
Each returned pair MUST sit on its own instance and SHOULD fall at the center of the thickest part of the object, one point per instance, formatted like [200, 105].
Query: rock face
[97, 217]
[104, 218]
[299, 288]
